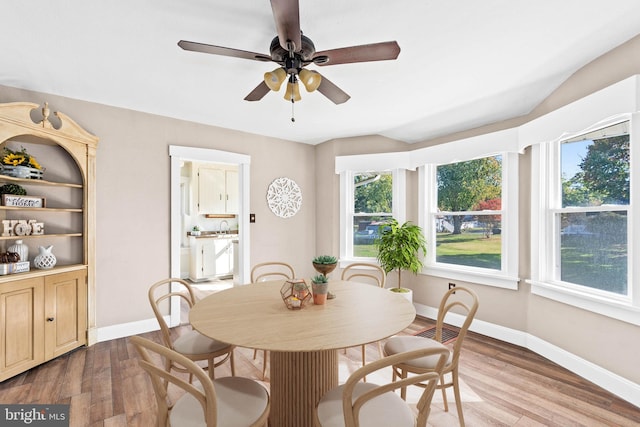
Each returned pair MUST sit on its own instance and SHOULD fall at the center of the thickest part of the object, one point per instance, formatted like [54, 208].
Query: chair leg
[364, 351]
[232, 362]
[255, 354]
[456, 393]
[443, 388]
[264, 364]
[403, 390]
[211, 369]
[380, 350]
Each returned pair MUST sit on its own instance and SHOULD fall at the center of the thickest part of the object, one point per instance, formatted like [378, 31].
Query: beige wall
[597, 339]
[133, 212]
[133, 189]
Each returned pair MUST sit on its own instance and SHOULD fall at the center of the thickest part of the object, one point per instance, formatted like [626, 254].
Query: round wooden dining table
[303, 343]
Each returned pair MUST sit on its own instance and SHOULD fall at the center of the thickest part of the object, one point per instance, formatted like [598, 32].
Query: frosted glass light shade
[275, 78]
[310, 79]
[293, 92]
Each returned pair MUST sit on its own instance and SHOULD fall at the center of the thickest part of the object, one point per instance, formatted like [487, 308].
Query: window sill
[496, 280]
[614, 309]
[344, 262]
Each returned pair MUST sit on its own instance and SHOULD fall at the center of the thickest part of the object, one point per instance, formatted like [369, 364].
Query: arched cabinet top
[16, 120]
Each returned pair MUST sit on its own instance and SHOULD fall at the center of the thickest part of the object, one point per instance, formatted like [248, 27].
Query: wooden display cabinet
[46, 313]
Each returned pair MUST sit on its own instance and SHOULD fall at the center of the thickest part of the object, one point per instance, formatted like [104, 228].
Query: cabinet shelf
[39, 182]
[49, 312]
[37, 236]
[20, 208]
[34, 272]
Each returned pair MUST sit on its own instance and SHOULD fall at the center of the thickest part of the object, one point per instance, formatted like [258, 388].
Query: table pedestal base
[298, 381]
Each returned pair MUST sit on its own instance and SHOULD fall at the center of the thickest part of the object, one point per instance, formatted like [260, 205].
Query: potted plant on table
[399, 249]
[320, 288]
[325, 264]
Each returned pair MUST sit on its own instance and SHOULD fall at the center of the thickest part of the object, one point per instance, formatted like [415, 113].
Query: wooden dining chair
[465, 302]
[191, 343]
[366, 273]
[271, 270]
[227, 401]
[356, 403]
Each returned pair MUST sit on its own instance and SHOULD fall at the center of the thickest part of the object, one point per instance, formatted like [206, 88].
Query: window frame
[546, 170]
[507, 276]
[347, 211]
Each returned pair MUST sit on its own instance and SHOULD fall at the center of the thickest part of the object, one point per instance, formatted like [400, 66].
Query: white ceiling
[462, 64]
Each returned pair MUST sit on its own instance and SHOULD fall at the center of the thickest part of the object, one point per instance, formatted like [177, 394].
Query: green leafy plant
[399, 248]
[325, 259]
[13, 189]
[320, 278]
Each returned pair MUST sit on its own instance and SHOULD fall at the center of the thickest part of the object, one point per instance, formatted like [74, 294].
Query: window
[588, 212]
[582, 239]
[369, 198]
[372, 207]
[470, 218]
[468, 221]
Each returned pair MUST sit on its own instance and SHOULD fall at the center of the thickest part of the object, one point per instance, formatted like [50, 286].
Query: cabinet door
[211, 191]
[209, 257]
[231, 188]
[223, 257]
[65, 312]
[21, 326]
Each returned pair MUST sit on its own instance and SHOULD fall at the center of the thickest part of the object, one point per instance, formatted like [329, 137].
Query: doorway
[179, 156]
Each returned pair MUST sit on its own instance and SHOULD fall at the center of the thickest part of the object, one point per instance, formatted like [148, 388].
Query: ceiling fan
[293, 52]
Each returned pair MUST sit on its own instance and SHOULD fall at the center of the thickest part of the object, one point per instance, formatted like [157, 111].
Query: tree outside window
[468, 224]
[592, 217]
[373, 195]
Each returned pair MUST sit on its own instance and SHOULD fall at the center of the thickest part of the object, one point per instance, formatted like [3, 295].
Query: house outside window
[369, 198]
[372, 208]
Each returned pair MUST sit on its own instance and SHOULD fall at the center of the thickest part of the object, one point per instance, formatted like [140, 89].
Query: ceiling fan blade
[363, 53]
[333, 92]
[225, 51]
[258, 93]
[286, 14]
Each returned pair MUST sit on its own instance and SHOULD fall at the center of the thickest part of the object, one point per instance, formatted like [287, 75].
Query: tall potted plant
[399, 249]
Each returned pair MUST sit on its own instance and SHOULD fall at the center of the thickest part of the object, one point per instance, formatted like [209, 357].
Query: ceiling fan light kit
[275, 78]
[293, 51]
[293, 91]
[310, 79]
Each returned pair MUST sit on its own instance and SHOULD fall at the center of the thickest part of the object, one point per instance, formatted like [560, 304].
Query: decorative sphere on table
[45, 259]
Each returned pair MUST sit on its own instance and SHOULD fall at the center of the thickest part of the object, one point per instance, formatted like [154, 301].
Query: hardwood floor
[503, 385]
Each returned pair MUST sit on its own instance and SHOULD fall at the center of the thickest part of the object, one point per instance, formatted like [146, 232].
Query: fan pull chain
[293, 119]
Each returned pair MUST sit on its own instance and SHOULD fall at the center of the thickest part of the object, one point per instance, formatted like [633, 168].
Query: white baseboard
[609, 381]
[128, 329]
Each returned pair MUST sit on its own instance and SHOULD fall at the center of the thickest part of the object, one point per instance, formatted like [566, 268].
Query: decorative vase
[324, 268]
[45, 259]
[21, 249]
[320, 291]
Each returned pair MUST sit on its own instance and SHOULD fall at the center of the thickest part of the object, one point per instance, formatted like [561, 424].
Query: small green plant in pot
[320, 288]
[325, 264]
[399, 248]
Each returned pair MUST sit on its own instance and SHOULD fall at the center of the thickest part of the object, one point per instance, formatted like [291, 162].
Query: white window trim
[398, 210]
[626, 309]
[507, 278]
[346, 166]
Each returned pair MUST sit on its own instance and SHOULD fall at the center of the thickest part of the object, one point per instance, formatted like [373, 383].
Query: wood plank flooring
[503, 385]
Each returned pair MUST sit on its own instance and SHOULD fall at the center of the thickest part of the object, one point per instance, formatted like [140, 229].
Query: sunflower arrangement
[19, 158]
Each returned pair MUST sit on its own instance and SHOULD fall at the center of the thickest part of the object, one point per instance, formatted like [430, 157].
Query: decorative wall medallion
[284, 197]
